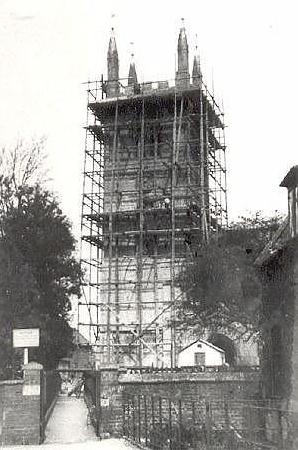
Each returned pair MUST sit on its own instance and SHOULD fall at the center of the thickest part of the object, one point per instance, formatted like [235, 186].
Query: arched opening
[226, 344]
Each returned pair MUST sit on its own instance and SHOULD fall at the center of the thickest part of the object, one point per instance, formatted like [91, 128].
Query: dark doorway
[227, 345]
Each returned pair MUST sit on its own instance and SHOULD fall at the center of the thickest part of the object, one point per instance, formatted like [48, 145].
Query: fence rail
[92, 398]
[50, 385]
[162, 423]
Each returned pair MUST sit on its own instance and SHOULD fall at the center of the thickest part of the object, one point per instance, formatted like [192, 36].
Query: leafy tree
[252, 232]
[39, 272]
[220, 283]
[42, 235]
[19, 298]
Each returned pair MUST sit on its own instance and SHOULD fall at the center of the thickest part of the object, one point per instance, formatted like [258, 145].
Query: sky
[248, 51]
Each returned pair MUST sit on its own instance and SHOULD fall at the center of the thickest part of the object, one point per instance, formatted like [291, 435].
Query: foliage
[40, 273]
[252, 232]
[42, 235]
[21, 165]
[220, 283]
[19, 298]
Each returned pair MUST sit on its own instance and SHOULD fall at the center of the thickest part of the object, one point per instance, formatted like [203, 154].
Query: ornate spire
[132, 74]
[196, 70]
[113, 68]
[182, 74]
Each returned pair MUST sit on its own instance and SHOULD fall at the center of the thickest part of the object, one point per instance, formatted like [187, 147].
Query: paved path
[105, 444]
[67, 430]
[68, 422]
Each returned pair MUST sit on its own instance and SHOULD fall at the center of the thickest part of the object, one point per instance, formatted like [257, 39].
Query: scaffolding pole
[135, 239]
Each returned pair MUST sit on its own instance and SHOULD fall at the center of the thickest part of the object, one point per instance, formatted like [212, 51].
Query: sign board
[31, 389]
[25, 337]
[105, 402]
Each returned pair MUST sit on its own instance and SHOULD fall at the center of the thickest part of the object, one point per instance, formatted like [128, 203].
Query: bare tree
[23, 163]
[21, 166]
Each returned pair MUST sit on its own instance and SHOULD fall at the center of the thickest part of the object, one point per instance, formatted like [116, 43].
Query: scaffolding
[154, 184]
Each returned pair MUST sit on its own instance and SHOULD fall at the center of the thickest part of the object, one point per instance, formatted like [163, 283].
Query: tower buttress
[113, 68]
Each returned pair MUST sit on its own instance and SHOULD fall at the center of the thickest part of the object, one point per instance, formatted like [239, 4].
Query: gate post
[109, 403]
[43, 390]
[33, 392]
[98, 403]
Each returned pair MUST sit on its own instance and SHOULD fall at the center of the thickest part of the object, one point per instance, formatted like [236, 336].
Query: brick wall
[213, 387]
[222, 392]
[20, 408]
[110, 403]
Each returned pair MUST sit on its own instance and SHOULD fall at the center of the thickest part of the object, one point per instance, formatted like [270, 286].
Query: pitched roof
[204, 342]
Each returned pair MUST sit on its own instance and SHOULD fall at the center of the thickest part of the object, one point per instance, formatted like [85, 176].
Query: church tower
[154, 187]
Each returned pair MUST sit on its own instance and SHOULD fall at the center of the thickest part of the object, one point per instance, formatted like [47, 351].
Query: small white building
[201, 353]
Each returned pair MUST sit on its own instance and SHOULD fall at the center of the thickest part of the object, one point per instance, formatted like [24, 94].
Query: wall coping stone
[11, 382]
[203, 377]
[33, 366]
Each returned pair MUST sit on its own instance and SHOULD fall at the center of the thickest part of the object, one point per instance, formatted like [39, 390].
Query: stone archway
[226, 344]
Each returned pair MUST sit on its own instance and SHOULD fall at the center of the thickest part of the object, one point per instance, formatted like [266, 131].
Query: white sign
[31, 389]
[105, 402]
[25, 337]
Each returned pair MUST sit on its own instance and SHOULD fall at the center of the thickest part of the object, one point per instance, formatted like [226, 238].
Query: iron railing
[50, 386]
[163, 423]
[92, 398]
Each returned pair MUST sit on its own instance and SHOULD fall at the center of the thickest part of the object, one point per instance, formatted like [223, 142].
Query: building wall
[213, 357]
[278, 265]
[279, 356]
[278, 324]
[132, 180]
